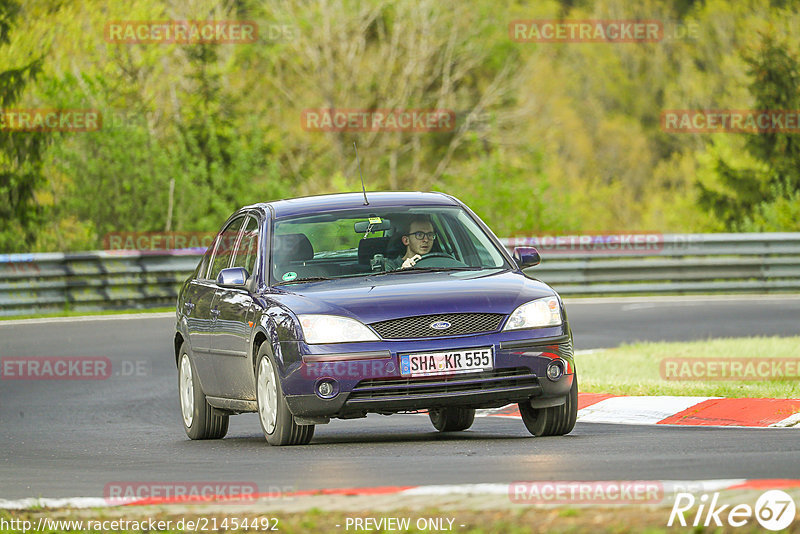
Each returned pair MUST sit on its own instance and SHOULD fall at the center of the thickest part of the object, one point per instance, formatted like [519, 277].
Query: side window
[202, 268]
[248, 247]
[226, 240]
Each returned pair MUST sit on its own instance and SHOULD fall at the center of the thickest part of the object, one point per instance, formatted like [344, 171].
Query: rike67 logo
[774, 510]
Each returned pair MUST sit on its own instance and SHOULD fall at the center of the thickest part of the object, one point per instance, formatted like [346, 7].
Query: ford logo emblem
[440, 325]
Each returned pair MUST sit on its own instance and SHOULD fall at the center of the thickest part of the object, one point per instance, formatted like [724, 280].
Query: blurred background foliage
[550, 138]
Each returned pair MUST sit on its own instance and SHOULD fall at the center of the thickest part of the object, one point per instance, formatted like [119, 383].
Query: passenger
[418, 240]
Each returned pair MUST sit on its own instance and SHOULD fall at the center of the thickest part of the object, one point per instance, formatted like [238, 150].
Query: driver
[418, 241]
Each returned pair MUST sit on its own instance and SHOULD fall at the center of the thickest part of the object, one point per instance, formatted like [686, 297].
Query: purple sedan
[337, 306]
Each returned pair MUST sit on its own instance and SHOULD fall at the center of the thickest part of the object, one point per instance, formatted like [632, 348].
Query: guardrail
[573, 265]
[669, 263]
[88, 281]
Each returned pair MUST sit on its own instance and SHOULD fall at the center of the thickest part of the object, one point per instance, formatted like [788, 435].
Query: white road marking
[793, 421]
[670, 488]
[71, 502]
[88, 318]
[637, 410]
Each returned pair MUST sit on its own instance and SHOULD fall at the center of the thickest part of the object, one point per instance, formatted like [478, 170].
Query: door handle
[188, 307]
[215, 313]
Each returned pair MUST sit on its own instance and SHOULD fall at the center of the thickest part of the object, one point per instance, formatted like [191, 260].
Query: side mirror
[233, 277]
[526, 257]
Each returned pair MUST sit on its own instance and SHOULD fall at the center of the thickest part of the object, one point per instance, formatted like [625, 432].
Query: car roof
[343, 201]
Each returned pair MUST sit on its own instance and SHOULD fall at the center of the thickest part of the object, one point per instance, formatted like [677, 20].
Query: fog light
[327, 389]
[555, 370]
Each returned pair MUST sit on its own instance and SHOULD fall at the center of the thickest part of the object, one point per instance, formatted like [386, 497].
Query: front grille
[418, 327]
[498, 379]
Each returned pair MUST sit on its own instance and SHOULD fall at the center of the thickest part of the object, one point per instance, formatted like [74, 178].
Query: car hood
[391, 296]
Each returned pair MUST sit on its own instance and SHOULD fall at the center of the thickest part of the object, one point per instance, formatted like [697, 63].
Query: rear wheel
[452, 419]
[200, 419]
[553, 421]
[277, 421]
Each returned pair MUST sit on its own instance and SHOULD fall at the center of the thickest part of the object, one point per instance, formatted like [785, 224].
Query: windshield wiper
[306, 279]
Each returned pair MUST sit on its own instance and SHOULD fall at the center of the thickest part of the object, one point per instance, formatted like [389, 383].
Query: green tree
[761, 198]
[20, 152]
[548, 137]
[178, 149]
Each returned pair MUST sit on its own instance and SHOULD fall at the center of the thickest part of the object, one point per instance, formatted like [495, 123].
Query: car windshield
[371, 241]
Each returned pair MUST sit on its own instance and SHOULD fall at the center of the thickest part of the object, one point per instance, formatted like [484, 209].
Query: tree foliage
[20, 152]
[763, 197]
[548, 137]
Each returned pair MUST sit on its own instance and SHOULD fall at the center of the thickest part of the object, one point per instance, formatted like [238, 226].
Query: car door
[205, 312]
[196, 307]
[233, 325]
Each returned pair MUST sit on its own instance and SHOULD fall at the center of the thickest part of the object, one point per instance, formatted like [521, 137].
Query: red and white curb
[666, 410]
[667, 489]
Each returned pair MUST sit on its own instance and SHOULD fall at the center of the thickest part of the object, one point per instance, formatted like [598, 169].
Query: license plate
[446, 363]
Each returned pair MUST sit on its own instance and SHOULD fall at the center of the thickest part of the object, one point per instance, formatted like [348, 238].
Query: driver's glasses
[421, 235]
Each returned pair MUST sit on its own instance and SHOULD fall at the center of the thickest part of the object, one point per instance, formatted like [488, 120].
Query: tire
[452, 419]
[554, 421]
[200, 419]
[277, 421]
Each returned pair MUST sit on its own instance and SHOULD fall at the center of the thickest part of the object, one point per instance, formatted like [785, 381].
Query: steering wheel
[438, 259]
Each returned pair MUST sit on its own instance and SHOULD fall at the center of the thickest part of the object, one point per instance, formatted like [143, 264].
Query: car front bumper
[374, 384]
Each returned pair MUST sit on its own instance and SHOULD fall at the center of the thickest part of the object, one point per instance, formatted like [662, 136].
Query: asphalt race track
[70, 438]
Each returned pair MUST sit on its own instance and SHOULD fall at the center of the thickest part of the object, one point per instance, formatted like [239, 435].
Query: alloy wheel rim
[267, 395]
[187, 391]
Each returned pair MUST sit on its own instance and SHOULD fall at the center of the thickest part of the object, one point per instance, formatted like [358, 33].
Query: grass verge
[640, 368]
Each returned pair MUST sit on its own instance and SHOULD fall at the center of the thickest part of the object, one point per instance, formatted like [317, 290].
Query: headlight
[334, 329]
[535, 314]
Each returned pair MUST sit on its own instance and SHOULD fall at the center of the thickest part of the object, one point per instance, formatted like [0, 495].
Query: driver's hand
[410, 262]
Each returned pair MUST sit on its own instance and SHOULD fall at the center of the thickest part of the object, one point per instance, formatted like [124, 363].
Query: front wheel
[277, 421]
[200, 419]
[452, 419]
[553, 421]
